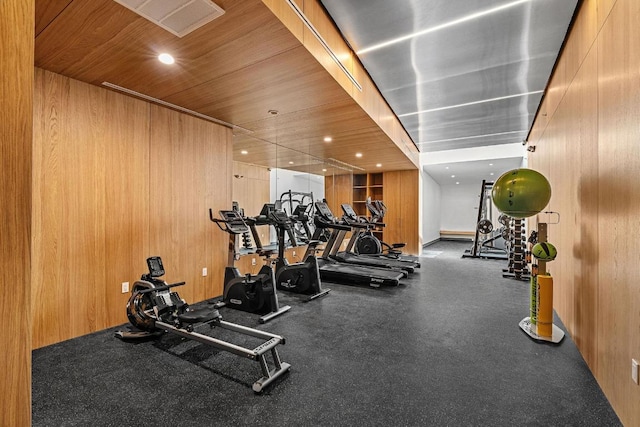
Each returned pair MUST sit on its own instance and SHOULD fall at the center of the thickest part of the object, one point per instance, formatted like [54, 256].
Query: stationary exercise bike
[250, 293]
[301, 277]
[154, 309]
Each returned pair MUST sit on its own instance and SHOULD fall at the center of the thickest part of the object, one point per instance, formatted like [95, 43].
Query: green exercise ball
[521, 193]
[544, 251]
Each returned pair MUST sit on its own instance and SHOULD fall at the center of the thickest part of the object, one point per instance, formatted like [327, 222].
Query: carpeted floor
[442, 349]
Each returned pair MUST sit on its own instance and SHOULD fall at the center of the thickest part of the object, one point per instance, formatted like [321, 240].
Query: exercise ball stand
[539, 325]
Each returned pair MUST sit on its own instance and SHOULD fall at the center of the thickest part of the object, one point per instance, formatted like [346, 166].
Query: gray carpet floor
[442, 349]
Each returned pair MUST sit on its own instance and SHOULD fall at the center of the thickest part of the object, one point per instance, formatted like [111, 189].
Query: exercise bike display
[302, 277]
[153, 309]
[250, 293]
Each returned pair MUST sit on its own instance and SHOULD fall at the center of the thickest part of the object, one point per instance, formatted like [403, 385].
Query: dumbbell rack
[517, 268]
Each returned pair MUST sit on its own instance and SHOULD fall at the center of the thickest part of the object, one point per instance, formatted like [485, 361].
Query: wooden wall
[338, 189]
[402, 219]
[586, 136]
[117, 180]
[16, 98]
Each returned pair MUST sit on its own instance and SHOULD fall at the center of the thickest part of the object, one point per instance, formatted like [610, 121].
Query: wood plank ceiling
[236, 69]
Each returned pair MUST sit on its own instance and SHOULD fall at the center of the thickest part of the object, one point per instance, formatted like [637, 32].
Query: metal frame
[258, 354]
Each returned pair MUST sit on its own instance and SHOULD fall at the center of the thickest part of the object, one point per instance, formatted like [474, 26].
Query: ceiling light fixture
[453, 176]
[490, 164]
[324, 170]
[165, 58]
[457, 183]
[441, 26]
[328, 139]
[474, 136]
[378, 165]
[358, 155]
[466, 104]
[491, 174]
[290, 163]
[244, 152]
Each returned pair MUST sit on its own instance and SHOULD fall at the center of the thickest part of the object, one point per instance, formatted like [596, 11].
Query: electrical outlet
[125, 287]
[204, 271]
[294, 253]
[634, 371]
[253, 261]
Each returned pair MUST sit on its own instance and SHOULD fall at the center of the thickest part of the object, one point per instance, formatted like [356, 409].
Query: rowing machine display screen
[156, 269]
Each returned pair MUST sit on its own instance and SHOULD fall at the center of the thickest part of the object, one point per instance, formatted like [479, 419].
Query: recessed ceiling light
[244, 152]
[328, 139]
[165, 58]
[290, 163]
[457, 183]
[447, 167]
[378, 165]
[491, 174]
[324, 170]
[490, 164]
[453, 176]
[358, 155]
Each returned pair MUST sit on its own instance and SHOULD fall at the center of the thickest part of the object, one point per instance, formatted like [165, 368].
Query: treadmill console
[349, 212]
[323, 210]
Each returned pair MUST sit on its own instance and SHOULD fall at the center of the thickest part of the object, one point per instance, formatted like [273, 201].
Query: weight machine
[488, 242]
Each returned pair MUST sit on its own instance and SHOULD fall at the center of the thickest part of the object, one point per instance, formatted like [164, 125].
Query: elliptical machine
[153, 309]
[367, 243]
[250, 293]
[301, 277]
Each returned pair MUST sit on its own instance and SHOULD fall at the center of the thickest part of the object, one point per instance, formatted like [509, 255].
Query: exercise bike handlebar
[237, 226]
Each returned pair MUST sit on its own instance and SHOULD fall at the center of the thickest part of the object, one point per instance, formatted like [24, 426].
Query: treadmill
[334, 270]
[360, 224]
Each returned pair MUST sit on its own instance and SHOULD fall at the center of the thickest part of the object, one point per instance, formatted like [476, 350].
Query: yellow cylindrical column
[544, 318]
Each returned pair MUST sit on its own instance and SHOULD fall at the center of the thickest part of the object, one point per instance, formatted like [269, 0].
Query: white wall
[459, 207]
[431, 209]
[283, 180]
[501, 151]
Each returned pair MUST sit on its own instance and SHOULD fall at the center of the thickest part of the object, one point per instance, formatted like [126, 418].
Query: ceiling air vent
[179, 17]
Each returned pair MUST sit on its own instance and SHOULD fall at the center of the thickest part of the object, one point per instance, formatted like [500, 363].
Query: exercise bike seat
[266, 252]
[200, 315]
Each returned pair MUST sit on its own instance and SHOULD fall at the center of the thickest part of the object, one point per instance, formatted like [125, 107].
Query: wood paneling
[117, 180]
[588, 149]
[316, 15]
[619, 207]
[90, 205]
[253, 59]
[16, 118]
[189, 174]
[46, 12]
[402, 218]
[338, 189]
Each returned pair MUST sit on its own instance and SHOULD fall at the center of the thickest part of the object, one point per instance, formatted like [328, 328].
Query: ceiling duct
[179, 17]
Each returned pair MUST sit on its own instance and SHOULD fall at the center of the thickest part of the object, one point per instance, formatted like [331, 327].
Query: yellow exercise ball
[521, 193]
